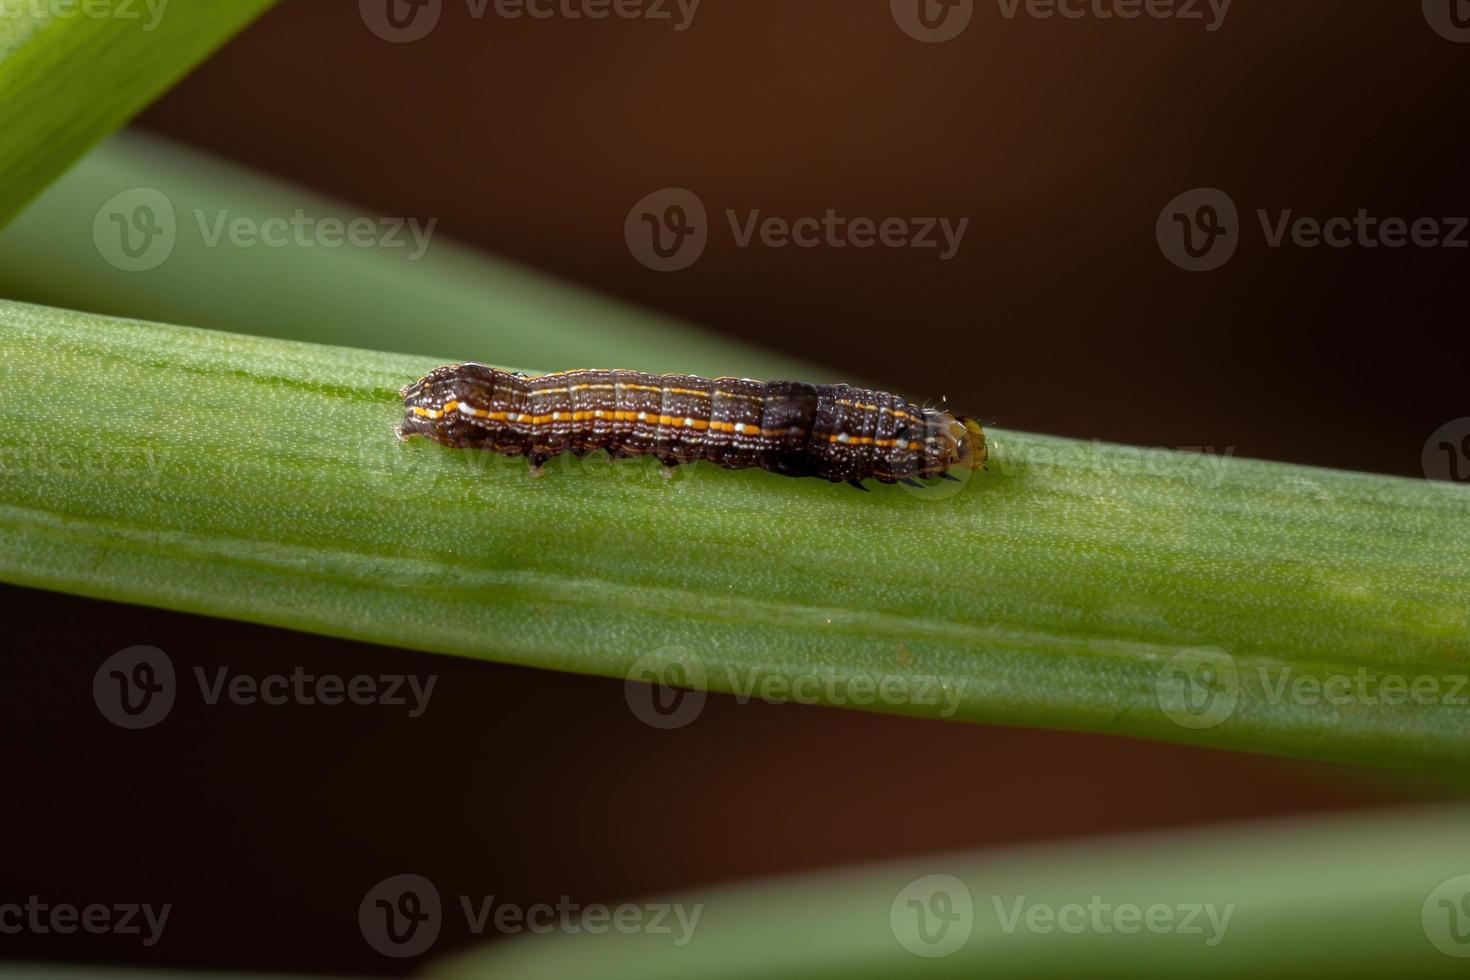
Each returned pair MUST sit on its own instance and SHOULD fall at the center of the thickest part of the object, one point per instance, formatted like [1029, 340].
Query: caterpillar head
[969, 439]
[429, 403]
[950, 441]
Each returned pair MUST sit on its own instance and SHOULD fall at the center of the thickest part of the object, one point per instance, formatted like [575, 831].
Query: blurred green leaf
[71, 73]
[1378, 895]
[64, 251]
[1170, 596]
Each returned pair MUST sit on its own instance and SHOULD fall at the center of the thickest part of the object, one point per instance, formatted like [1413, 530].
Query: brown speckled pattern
[835, 432]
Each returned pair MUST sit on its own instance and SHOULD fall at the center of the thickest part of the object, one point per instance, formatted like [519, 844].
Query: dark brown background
[1060, 140]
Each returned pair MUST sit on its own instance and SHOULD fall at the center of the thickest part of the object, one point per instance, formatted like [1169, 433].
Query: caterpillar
[834, 432]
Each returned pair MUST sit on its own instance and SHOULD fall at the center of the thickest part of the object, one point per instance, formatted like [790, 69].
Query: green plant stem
[260, 479]
[1336, 897]
[72, 73]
